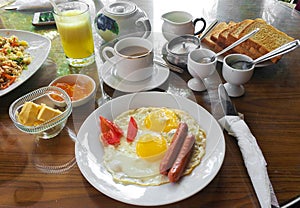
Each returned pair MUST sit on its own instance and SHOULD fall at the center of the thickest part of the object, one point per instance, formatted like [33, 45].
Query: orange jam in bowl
[79, 87]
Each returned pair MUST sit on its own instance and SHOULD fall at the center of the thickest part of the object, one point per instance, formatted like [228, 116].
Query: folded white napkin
[45, 5]
[31, 5]
[253, 158]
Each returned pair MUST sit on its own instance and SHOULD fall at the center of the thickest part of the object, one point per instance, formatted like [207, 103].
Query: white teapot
[122, 19]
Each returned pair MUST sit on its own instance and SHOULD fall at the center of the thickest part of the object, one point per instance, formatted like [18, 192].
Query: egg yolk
[149, 146]
[161, 121]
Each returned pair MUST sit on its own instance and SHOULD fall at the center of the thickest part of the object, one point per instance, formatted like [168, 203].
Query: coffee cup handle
[204, 25]
[105, 55]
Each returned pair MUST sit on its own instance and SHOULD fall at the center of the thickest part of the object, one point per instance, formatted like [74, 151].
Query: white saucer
[159, 76]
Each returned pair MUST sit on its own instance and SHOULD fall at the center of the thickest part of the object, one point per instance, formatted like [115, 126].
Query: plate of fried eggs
[129, 171]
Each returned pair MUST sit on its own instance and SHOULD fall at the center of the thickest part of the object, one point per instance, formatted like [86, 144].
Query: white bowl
[84, 91]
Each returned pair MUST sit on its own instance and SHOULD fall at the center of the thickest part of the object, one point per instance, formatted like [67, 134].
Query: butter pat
[33, 114]
[46, 113]
[29, 113]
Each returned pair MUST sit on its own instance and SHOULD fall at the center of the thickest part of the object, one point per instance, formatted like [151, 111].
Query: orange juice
[75, 31]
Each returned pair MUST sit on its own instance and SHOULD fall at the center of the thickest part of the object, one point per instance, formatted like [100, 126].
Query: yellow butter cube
[46, 113]
[28, 114]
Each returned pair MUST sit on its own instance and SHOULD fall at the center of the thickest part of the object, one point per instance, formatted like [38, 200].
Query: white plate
[89, 152]
[160, 75]
[220, 58]
[39, 48]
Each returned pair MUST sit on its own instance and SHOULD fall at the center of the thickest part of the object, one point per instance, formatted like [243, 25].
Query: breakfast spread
[13, 59]
[151, 146]
[267, 39]
[126, 147]
[33, 114]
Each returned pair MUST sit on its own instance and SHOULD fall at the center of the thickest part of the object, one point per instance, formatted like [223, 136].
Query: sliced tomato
[111, 133]
[131, 130]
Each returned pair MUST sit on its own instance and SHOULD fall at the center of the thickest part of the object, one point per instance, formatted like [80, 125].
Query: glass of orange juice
[73, 23]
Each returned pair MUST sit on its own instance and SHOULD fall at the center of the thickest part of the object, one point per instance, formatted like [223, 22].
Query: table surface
[270, 106]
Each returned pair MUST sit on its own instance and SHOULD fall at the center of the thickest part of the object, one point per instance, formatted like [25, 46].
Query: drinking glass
[73, 23]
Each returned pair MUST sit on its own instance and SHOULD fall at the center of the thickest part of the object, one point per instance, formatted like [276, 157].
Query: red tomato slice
[111, 133]
[131, 130]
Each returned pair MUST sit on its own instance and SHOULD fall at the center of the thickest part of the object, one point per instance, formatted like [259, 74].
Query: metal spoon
[209, 28]
[166, 64]
[242, 64]
[211, 59]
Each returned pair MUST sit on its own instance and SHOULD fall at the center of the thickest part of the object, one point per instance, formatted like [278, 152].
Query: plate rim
[34, 68]
[219, 144]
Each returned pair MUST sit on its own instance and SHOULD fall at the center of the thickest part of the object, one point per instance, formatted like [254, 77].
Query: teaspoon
[211, 59]
[210, 27]
[242, 64]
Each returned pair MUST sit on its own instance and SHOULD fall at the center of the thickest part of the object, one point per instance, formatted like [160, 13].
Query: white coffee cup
[132, 58]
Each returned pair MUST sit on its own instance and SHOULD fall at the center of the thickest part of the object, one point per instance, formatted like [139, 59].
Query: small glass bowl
[50, 128]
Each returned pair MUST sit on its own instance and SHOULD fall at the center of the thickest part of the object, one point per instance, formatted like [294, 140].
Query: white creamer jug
[177, 23]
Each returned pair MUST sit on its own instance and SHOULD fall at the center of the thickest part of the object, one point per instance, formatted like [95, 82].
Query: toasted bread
[215, 32]
[234, 35]
[224, 34]
[224, 41]
[267, 39]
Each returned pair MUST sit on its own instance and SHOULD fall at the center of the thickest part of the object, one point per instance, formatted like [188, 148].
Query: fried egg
[138, 162]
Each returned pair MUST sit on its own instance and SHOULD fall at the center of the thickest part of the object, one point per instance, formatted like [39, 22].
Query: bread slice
[224, 34]
[225, 41]
[267, 39]
[215, 32]
[234, 35]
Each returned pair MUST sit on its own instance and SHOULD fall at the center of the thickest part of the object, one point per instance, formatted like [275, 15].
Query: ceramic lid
[183, 44]
[121, 8]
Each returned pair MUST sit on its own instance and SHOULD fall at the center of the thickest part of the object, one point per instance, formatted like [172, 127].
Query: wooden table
[270, 106]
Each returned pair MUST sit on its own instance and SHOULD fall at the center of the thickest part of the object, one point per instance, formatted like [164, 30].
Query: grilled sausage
[182, 159]
[174, 149]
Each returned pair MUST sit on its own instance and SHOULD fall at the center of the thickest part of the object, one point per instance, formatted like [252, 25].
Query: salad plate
[39, 48]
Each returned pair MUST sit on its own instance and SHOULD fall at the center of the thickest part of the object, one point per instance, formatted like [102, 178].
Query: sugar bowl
[179, 48]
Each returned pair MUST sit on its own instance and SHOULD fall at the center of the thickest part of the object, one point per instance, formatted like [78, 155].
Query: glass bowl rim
[48, 124]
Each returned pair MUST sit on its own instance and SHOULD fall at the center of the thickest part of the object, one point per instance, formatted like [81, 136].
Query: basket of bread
[267, 39]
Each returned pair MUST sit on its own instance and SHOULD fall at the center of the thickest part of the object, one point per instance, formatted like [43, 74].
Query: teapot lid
[121, 8]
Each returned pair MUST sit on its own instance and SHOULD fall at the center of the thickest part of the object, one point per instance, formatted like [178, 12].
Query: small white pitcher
[177, 23]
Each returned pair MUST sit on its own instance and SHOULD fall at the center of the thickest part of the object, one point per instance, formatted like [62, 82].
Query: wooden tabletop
[44, 173]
